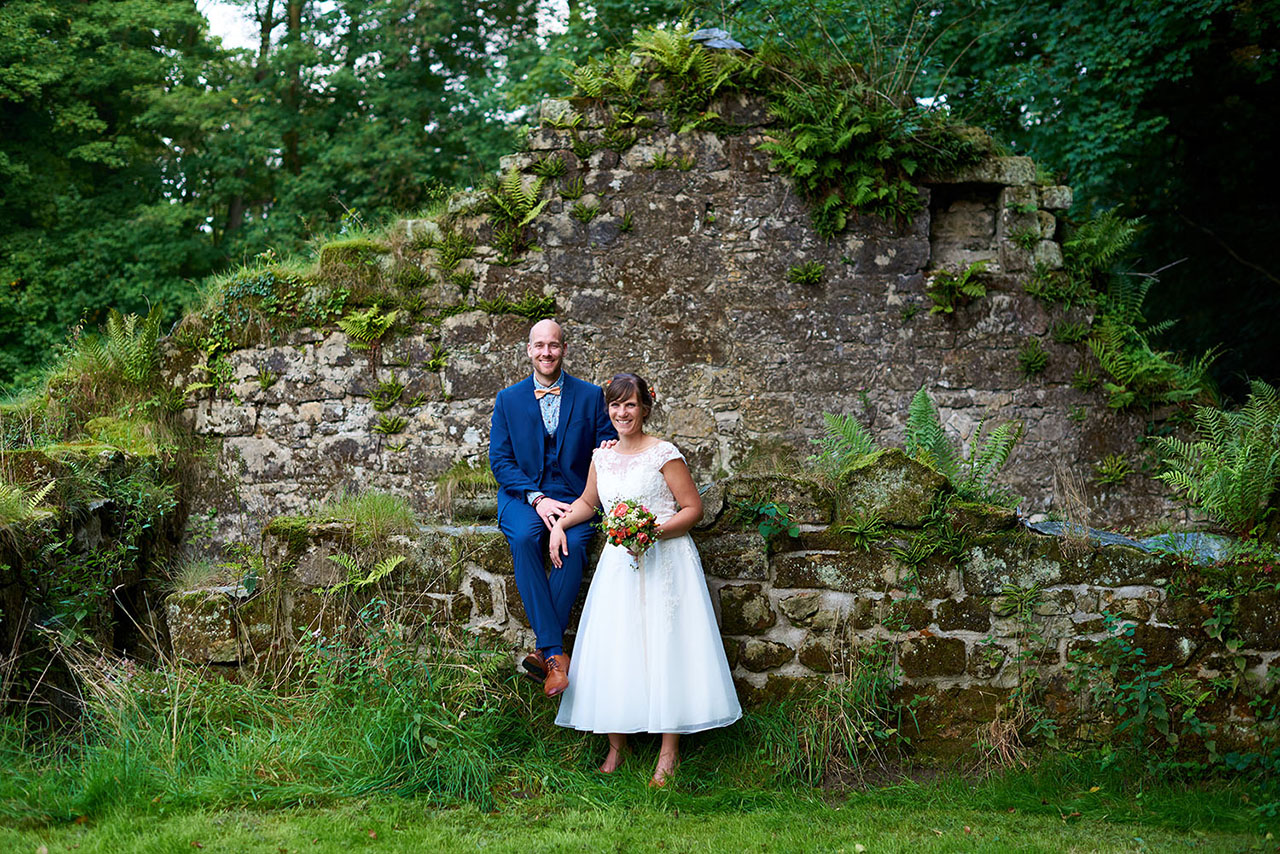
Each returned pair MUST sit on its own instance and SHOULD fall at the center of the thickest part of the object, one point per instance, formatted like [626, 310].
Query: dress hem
[684, 730]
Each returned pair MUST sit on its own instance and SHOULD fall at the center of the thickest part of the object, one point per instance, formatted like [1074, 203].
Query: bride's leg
[617, 750]
[668, 759]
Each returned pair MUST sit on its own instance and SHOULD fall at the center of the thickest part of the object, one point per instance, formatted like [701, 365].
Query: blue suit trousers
[548, 592]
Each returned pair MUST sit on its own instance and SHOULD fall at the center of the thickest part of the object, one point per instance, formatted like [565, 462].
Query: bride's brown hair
[624, 385]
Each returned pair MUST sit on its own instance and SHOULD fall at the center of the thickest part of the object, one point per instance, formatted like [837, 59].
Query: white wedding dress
[648, 656]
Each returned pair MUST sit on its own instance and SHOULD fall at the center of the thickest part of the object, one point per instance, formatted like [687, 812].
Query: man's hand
[549, 510]
[608, 443]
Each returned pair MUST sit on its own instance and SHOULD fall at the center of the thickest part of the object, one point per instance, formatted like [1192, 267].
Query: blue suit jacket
[516, 437]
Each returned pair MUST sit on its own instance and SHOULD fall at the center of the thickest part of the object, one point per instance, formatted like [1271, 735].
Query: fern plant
[552, 166]
[19, 504]
[357, 578]
[386, 394]
[948, 290]
[1231, 471]
[364, 329]
[131, 345]
[512, 207]
[864, 530]
[844, 441]
[808, 273]
[390, 425]
[1032, 358]
[584, 213]
[972, 476]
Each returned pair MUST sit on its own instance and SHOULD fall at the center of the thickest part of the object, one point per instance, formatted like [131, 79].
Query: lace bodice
[637, 476]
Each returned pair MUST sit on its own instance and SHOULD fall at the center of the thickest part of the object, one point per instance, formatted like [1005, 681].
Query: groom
[544, 429]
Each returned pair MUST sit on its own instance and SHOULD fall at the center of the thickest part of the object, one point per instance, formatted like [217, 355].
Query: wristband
[537, 500]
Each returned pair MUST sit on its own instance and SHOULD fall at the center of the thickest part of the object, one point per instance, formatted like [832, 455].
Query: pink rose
[621, 510]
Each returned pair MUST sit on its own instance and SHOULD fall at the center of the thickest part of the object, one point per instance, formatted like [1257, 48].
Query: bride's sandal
[619, 756]
[661, 775]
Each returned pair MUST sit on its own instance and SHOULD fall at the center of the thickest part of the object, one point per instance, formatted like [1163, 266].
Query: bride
[648, 656]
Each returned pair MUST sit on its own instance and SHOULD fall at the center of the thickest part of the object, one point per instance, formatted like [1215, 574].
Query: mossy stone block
[808, 502]
[735, 554]
[759, 655]
[845, 571]
[977, 517]
[203, 627]
[745, 610]
[1021, 559]
[892, 486]
[817, 653]
[926, 657]
[1118, 566]
[970, 614]
[776, 688]
[1257, 620]
[351, 253]
[801, 608]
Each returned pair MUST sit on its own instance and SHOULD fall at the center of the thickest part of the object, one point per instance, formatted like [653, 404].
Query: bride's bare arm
[681, 484]
[582, 509]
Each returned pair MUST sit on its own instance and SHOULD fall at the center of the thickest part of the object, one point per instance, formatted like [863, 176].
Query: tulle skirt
[648, 656]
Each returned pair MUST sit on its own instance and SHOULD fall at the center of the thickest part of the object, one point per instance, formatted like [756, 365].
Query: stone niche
[795, 611]
[683, 277]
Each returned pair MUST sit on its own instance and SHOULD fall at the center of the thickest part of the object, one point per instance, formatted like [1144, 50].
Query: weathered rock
[745, 610]
[202, 627]
[735, 554]
[817, 653]
[801, 607]
[760, 655]
[925, 657]
[807, 502]
[1257, 620]
[970, 614]
[892, 486]
[845, 571]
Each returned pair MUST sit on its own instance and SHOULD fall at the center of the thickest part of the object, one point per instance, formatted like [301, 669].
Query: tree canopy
[135, 160]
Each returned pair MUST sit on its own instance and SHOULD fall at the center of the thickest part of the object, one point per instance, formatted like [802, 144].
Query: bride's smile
[627, 416]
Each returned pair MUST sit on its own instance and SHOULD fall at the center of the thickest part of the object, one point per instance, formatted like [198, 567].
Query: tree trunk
[293, 95]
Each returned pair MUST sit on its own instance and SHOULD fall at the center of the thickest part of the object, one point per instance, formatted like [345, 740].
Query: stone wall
[793, 610]
[683, 277]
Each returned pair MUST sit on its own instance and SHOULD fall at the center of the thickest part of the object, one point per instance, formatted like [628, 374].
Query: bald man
[540, 442]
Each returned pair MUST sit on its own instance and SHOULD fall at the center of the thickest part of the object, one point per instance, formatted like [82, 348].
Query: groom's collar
[559, 381]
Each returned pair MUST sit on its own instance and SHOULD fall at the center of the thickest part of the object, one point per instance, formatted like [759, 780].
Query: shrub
[1231, 470]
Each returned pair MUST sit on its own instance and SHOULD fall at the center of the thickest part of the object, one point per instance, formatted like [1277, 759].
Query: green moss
[295, 531]
[891, 485]
[128, 435]
[352, 252]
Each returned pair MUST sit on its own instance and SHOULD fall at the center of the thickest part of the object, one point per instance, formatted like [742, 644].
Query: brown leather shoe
[535, 666]
[557, 675]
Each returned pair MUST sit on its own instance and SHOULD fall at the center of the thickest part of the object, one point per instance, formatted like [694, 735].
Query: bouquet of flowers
[631, 525]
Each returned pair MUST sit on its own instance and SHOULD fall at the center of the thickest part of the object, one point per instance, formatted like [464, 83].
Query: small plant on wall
[808, 273]
[972, 476]
[1231, 470]
[512, 207]
[1111, 470]
[948, 290]
[1033, 358]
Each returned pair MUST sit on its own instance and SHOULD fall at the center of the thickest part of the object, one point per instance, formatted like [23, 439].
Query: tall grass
[392, 715]
[372, 515]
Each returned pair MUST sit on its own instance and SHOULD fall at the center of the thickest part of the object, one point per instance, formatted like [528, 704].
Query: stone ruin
[683, 276]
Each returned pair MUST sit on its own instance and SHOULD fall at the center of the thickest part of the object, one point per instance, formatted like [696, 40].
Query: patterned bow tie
[540, 393]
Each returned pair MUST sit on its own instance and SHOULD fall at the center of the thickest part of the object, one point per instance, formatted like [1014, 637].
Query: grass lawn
[1020, 813]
